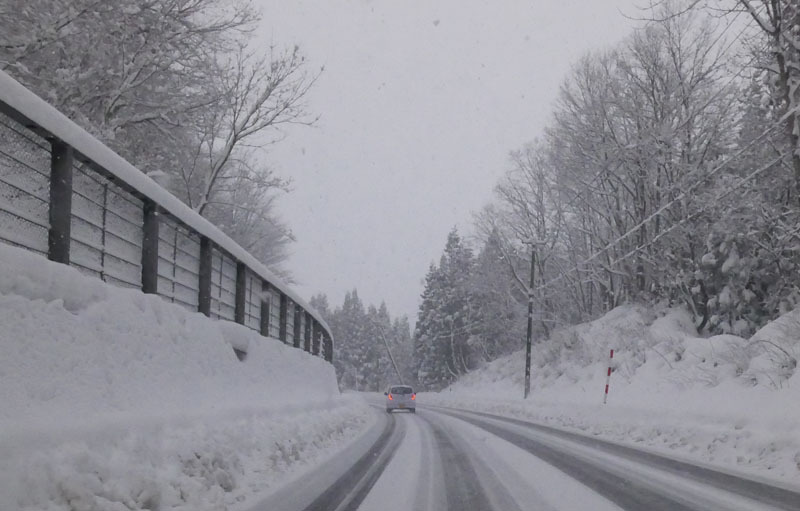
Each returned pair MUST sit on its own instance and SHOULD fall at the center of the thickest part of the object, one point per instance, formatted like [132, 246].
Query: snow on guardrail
[26, 107]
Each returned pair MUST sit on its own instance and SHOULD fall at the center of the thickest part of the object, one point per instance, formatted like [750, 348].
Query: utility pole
[529, 339]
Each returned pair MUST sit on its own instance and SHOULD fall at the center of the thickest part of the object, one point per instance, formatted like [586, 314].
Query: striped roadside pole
[608, 376]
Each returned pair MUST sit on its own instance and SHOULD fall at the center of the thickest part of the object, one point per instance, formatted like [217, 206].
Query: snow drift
[112, 399]
[722, 399]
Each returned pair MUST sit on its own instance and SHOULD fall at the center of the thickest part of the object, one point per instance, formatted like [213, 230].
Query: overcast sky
[421, 102]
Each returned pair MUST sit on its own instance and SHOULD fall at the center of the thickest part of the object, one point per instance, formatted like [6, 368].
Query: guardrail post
[298, 319]
[315, 337]
[58, 236]
[266, 299]
[284, 312]
[241, 293]
[307, 319]
[103, 242]
[204, 284]
[150, 248]
[327, 347]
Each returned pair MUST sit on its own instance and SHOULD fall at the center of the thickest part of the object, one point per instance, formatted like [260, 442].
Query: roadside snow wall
[722, 399]
[113, 399]
[654, 351]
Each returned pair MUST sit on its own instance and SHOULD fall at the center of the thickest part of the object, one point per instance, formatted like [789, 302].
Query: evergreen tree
[362, 334]
[351, 322]
[447, 318]
[320, 303]
[430, 372]
[403, 348]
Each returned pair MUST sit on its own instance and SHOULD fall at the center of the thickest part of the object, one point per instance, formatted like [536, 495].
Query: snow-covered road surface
[635, 479]
[443, 458]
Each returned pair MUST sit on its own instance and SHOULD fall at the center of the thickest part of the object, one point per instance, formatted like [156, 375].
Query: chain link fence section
[24, 187]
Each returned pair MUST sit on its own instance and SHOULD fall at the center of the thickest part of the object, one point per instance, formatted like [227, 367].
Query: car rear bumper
[400, 406]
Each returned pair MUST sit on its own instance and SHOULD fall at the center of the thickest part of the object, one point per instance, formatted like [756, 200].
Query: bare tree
[175, 86]
[258, 96]
[247, 213]
[779, 22]
[122, 69]
[633, 129]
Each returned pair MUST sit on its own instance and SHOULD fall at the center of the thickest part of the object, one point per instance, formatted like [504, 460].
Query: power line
[660, 210]
[701, 211]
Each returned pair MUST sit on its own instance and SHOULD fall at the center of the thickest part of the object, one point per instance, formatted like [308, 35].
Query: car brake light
[413, 397]
[390, 397]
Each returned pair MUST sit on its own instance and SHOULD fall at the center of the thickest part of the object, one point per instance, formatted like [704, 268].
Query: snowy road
[442, 458]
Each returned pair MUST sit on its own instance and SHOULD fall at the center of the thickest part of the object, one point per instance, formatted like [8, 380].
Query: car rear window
[400, 390]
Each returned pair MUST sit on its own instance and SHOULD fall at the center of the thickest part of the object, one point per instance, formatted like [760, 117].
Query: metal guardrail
[65, 195]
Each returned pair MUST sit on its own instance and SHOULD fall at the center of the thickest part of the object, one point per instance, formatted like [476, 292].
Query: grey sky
[421, 102]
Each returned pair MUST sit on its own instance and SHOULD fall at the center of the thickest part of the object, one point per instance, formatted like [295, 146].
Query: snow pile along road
[112, 399]
[724, 400]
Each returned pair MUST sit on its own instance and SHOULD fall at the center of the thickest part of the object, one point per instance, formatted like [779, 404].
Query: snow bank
[724, 399]
[112, 399]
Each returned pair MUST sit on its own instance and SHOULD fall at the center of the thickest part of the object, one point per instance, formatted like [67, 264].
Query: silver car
[400, 397]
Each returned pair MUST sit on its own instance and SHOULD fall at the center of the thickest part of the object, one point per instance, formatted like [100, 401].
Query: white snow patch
[113, 399]
[726, 400]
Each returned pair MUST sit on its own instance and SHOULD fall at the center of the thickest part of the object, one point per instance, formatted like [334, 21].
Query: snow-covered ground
[112, 399]
[723, 400]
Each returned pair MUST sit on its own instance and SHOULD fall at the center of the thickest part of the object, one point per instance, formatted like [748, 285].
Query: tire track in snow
[347, 493]
[430, 494]
[469, 485]
[531, 483]
[592, 462]
[614, 488]
[413, 480]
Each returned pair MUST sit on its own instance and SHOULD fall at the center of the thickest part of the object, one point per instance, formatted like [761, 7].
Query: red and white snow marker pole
[608, 376]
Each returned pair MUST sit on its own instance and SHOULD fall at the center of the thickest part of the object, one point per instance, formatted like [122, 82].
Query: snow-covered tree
[447, 320]
[499, 304]
[362, 335]
[127, 71]
[174, 86]
[777, 23]
[257, 95]
[615, 191]
[320, 303]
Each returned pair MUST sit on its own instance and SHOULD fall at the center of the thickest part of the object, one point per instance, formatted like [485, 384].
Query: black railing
[65, 195]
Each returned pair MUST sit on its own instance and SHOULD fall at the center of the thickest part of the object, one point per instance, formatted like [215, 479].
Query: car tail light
[390, 397]
[413, 397]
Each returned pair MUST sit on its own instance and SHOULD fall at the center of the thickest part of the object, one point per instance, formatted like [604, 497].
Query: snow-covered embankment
[724, 400]
[112, 399]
